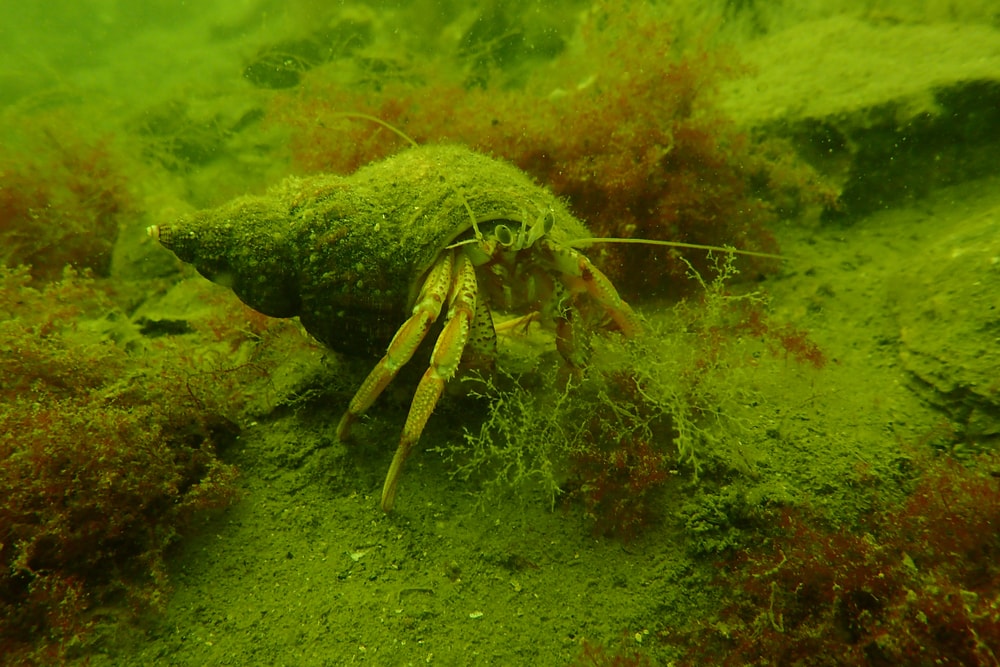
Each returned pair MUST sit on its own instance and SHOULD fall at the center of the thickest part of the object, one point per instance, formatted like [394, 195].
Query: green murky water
[767, 475]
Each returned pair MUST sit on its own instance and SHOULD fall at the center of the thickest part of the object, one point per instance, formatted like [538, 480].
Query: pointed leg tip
[344, 427]
[388, 495]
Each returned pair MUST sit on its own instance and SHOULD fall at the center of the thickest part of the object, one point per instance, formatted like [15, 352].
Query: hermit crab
[369, 262]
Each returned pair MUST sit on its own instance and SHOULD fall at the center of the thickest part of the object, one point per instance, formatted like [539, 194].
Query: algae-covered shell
[347, 253]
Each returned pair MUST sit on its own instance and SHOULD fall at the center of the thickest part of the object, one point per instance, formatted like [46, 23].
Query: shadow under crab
[368, 261]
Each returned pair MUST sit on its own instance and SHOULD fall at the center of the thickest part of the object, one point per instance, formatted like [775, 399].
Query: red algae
[634, 142]
[63, 196]
[107, 456]
[916, 584]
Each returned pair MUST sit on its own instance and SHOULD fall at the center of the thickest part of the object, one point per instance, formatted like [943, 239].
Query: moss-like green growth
[644, 416]
[107, 454]
[345, 254]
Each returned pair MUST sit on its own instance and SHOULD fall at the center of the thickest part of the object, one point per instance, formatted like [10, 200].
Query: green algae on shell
[347, 253]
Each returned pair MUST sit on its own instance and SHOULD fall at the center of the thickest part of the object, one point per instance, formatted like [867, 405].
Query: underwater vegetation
[106, 456]
[595, 655]
[621, 124]
[63, 196]
[914, 584]
[645, 418]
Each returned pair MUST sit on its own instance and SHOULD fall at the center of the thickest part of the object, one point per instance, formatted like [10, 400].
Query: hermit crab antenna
[472, 216]
[378, 121]
[582, 243]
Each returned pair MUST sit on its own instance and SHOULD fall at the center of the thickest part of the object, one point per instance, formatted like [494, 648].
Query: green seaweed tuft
[643, 418]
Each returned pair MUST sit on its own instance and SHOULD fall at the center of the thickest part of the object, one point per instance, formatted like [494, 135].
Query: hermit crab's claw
[245, 246]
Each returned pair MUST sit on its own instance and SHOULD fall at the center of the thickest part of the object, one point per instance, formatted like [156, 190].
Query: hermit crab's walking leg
[444, 362]
[481, 349]
[406, 341]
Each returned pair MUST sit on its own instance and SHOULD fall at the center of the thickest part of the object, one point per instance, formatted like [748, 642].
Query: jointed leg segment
[453, 276]
[406, 341]
[444, 362]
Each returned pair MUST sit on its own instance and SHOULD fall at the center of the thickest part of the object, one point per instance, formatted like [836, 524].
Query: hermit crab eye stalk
[527, 235]
[503, 235]
[541, 227]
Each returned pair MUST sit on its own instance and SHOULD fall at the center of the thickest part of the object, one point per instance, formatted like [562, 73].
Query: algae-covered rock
[887, 111]
[948, 306]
